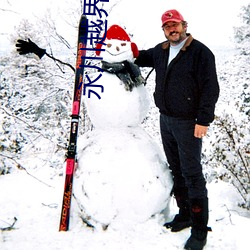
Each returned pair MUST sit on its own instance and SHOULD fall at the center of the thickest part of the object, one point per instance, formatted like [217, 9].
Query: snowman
[122, 178]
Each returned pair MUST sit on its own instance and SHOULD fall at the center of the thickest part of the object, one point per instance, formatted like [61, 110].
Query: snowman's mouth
[117, 54]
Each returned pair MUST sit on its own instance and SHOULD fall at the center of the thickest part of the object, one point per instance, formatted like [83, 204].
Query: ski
[71, 160]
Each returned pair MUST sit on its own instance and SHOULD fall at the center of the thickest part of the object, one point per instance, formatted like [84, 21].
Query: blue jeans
[183, 152]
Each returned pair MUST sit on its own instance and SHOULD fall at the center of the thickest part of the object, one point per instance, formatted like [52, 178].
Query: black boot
[181, 220]
[199, 215]
[197, 240]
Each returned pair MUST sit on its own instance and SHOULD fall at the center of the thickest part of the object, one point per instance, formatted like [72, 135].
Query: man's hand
[24, 47]
[200, 131]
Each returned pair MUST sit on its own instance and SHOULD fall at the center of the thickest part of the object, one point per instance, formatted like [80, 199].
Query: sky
[210, 22]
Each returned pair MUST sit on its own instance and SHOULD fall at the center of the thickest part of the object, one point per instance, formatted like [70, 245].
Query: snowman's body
[122, 176]
[117, 107]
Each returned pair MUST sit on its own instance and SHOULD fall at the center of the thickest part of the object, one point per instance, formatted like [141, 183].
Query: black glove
[135, 73]
[24, 47]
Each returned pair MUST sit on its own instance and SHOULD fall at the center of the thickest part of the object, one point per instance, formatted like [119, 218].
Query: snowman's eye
[109, 45]
[123, 44]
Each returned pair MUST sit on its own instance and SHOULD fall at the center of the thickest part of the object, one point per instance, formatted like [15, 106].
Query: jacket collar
[166, 44]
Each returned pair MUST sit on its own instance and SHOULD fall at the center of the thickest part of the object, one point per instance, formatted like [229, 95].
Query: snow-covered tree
[230, 154]
[35, 102]
[242, 33]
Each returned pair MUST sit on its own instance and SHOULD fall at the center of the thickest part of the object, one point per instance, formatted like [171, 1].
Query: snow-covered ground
[37, 208]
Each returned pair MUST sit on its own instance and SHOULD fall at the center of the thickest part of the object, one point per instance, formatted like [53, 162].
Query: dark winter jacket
[188, 87]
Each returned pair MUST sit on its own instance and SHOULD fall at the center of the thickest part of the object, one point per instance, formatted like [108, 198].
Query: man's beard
[182, 36]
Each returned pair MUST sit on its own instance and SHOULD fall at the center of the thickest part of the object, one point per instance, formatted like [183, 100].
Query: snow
[130, 107]
[37, 208]
[122, 182]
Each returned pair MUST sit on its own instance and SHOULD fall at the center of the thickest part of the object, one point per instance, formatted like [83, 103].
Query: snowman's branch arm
[149, 73]
[57, 60]
[25, 47]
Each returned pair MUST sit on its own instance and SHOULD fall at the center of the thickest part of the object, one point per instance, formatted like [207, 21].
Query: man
[186, 93]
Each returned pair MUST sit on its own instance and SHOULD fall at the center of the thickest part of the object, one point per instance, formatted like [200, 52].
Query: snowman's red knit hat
[116, 32]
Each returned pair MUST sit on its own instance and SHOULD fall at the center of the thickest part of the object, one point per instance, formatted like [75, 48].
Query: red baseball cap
[171, 16]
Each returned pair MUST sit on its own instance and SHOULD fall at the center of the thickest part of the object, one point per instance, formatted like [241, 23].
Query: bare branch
[10, 227]
[1, 9]
[19, 166]
[31, 127]
[57, 60]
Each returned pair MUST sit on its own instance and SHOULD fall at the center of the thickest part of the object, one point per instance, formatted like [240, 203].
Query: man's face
[174, 32]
